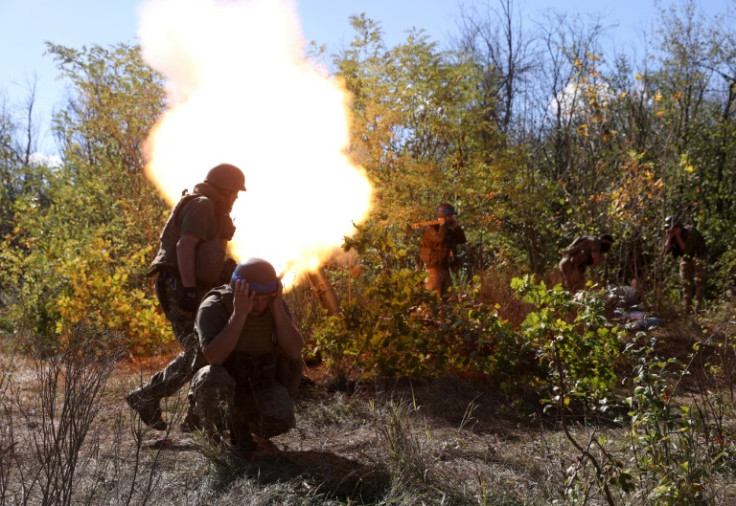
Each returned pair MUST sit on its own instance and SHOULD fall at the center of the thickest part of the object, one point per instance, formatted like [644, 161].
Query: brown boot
[148, 408]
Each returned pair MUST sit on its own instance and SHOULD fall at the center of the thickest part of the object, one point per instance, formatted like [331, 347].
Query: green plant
[675, 447]
[572, 342]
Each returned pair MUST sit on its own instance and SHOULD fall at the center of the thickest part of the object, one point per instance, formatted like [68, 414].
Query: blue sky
[26, 24]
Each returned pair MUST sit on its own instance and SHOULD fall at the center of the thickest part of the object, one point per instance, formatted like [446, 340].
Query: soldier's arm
[595, 253]
[459, 234]
[680, 240]
[435, 234]
[223, 344]
[185, 254]
[288, 337]
[197, 223]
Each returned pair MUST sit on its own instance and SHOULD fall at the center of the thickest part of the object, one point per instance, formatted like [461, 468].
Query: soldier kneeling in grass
[254, 350]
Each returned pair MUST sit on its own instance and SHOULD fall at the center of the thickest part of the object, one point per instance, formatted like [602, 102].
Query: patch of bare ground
[426, 441]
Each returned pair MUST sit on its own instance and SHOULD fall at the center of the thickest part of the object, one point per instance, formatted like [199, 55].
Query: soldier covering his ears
[254, 351]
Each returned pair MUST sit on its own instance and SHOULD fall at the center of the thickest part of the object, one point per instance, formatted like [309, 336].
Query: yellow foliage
[101, 295]
[636, 185]
[685, 163]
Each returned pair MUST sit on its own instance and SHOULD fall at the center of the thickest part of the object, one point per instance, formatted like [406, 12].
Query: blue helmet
[260, 275]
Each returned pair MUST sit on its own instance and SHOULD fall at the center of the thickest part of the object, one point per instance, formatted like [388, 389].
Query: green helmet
[672, 221]
[260, 275]
[226, 177]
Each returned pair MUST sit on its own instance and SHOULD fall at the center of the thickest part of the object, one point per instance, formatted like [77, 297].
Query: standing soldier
[583, 251]
[190, 261]
[686, 243]
[438, 248]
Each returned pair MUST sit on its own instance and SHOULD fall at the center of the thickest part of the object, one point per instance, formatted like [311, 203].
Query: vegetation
[535, 137]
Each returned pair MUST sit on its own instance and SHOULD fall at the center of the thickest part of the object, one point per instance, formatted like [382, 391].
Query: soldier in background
[190, 261]
[583, 251]
[254, 350]
[687, 244]
[438, 248]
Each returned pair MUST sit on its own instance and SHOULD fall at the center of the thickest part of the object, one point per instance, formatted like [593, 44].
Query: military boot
[243, 440]
[191, 420]
[147, 407]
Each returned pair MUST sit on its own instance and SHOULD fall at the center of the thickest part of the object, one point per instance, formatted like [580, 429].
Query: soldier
[190, 261]
[686, 243]
[254, 350]
[583, 251]
[438, 248]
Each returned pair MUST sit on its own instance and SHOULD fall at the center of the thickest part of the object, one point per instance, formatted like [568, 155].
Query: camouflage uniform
[438, 250]
[623, 299]
[201, 215]
[692, 265]
[576, 258]
[252, 391]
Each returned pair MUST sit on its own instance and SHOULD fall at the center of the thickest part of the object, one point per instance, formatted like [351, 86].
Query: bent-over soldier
[583, 251]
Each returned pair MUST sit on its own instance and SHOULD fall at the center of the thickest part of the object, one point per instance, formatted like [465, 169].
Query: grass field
[422, 441]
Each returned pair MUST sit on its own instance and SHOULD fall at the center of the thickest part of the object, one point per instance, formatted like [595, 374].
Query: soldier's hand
[189, 299]
[243, 297]
[276, 300]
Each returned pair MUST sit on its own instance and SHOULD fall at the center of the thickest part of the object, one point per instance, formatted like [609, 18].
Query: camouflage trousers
[180, 370]
[219, 404]
[692, 274]
[438, 280]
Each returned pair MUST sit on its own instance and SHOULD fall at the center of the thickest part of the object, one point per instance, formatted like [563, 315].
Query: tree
[80, 254]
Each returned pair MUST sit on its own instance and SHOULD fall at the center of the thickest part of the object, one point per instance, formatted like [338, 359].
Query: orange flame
[241, 91]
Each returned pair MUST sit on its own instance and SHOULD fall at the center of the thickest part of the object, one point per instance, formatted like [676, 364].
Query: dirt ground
[430, 441]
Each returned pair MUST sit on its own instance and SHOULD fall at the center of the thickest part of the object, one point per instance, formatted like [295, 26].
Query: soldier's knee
[209, 378]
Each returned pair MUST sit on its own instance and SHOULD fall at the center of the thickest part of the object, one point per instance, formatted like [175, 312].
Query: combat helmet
[672, 221]
[606, 241]
[444, 209]
[226, 177]
[260, 275]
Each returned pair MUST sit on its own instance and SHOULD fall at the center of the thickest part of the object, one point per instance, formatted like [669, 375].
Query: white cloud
[41, 160]
[574, 99]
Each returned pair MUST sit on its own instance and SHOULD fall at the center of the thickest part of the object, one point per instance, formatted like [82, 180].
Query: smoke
[241, 91]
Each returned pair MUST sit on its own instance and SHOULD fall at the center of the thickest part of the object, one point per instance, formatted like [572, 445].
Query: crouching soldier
[254, 351]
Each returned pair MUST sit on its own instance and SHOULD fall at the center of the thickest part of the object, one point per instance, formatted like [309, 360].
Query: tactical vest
[209, 256]
[578, 254]
[437, 254]
[253, 362]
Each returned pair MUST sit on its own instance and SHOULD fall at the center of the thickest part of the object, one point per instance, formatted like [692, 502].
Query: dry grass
[442, 441]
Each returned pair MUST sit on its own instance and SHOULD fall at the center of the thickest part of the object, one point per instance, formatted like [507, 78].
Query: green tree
[80, 253]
